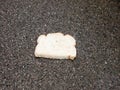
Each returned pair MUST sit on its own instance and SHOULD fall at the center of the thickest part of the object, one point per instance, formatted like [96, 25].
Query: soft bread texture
[56, 46]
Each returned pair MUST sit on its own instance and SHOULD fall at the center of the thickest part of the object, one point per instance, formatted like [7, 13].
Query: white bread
[56, 46]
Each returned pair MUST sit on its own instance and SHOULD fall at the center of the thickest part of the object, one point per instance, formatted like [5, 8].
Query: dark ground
[95, 24]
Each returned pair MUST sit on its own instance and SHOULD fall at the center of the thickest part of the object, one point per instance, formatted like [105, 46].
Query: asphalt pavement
[95, 24]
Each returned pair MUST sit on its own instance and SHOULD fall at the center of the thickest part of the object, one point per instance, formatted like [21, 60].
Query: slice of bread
[56, 46]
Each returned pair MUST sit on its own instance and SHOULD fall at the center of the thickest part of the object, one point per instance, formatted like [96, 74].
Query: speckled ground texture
[95, 24]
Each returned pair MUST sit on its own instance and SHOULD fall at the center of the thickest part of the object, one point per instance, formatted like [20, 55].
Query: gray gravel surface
[95, 24]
